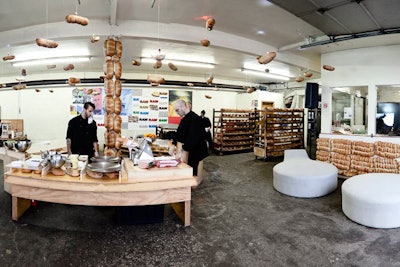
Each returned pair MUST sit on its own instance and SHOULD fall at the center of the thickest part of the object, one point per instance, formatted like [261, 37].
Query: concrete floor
[238, 219]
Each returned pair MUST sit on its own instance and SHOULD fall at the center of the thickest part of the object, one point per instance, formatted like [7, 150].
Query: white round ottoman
[305, 178]
[372, 199]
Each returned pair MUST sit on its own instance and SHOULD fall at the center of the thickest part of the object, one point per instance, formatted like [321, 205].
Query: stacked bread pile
[362, 158]
[324, 149]
[386, 157]
[340, 155]
[112, 100]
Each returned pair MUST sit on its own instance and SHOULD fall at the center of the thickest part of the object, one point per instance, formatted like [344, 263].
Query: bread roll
[109, 87]
[118, 141]
[92, 174]
[109, 69]
[119, 154]
[109, 104]
[118, 46]
[109, 47]
[109, 121]
[57, 171]
[117, 105]
[110, 152]
[118, 69]
[118, 87]
[109, 138]
[111, 175]
[117, 123]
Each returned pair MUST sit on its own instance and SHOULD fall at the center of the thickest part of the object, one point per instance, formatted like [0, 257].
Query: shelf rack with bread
[278, 129]
[233, 129]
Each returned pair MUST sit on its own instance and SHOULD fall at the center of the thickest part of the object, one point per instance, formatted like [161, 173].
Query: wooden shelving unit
[233, 129]
[278, 129]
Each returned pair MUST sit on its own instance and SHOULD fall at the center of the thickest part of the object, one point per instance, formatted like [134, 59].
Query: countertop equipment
[143, 151]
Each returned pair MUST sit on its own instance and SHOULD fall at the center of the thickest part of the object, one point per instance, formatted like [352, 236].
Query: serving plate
[104, 167]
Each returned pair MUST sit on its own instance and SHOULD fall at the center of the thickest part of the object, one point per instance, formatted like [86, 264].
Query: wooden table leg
[187, 213]
[182, 209]
[19, 206]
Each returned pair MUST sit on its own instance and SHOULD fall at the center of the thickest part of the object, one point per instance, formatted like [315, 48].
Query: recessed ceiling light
[260, 32]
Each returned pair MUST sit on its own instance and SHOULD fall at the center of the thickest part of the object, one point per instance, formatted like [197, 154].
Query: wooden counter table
[135, 187]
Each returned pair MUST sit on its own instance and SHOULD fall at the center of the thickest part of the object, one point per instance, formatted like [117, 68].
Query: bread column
[112, 99]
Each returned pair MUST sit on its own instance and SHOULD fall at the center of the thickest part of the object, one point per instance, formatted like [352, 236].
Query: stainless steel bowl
[104, 166]
[9, 144]
[56, 160]
[22, 145]
[106, 159]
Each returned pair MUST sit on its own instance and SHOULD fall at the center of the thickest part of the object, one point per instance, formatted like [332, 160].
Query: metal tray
[104, 167]
[105, 159]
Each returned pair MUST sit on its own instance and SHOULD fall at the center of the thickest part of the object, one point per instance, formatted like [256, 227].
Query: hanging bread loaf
[46, 43]
[118, 141]
[329, 68]
[210, 24]
[73, 81]
[155, 79]
[118, 48]
[118, 87]
[109, 104]
[117, 123]
[8, 57]
[77, 19]
[109, 138]
[118, 69]
[109, 87]
[112, 101]
[157, 64]
[109, 69]
[172, 66]
[109, 121]
[267, 58]
[117, 105]
[109, 47]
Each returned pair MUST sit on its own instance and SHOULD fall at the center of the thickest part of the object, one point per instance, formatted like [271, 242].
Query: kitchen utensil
[106, 159]
[104, 166]
[56, 160]
[9, 144]
[22, 145]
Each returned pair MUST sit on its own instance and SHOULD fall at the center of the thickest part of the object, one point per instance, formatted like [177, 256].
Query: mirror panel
[388, 110]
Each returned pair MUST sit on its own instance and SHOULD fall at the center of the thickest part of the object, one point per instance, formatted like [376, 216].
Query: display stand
[233, 130]
[278, 129]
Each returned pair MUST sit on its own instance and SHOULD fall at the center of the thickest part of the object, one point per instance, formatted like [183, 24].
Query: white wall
[46, 114]
[244, 100]
[370, 67]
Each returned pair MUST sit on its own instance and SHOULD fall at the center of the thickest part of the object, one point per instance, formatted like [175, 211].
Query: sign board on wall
[141, 108]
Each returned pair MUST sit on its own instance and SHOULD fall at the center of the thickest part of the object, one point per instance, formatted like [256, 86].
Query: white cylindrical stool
[304, 178]
[372, 199]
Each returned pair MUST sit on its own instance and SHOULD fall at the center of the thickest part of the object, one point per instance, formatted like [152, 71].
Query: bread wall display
[358, 157]
[112, 101]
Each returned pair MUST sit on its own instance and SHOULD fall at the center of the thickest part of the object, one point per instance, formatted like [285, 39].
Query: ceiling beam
[113, 12]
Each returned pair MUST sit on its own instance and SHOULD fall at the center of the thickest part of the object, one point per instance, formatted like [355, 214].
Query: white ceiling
[176, 28]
